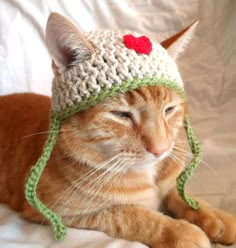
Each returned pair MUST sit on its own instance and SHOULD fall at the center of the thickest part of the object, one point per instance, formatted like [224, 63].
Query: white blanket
[207, 66]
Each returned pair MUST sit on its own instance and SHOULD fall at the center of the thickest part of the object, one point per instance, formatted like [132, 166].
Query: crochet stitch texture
[112, 68]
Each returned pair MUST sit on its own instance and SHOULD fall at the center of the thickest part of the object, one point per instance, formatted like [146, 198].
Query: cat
[114, 166]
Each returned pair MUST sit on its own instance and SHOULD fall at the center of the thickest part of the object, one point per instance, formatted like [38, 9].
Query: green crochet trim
[187, 173]
[33, 179]
[56, 118]
[116, 89]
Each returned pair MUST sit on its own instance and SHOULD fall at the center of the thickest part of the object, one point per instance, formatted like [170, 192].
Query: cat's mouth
[153, 161]
[150, 160]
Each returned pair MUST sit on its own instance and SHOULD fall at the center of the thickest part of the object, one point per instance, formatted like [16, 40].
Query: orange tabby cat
[113, 169]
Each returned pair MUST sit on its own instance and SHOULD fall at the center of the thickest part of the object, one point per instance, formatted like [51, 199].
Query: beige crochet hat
[118, 62]
[113, 67]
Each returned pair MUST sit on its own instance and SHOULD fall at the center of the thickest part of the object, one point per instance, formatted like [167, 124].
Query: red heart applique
[140, 44]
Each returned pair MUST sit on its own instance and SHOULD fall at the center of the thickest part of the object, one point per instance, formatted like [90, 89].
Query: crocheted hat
[120, 62]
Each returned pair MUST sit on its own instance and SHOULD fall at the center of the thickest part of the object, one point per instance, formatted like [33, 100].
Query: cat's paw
[219, 226]
[190, 236]
[181, 234]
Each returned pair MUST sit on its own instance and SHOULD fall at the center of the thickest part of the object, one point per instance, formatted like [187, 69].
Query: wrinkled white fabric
[207, 67]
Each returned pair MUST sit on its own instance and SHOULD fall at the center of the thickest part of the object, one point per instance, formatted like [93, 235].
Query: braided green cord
[187, 173]
[33, 179]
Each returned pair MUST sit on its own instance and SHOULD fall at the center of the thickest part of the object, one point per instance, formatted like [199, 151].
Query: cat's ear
[176, 44]
[65, 43]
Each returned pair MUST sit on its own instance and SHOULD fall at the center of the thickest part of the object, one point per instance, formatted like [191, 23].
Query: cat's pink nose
[158, 150]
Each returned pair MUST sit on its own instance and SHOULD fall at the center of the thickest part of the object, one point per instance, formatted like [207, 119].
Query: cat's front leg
[219, 225]
[151, 228]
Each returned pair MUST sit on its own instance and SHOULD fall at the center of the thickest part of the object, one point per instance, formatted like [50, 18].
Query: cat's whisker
[78, 183]
[120, 169]
[181, 163]
[182, 150]
[44, 132]
[202, 161]
[90, 173]
[85, 177]
[103, 182]
[90, 191]
[124, 170]
[210, 169]
[177, 159]
[115, 171]
[99, 179]
[99, 168]
[183, 156]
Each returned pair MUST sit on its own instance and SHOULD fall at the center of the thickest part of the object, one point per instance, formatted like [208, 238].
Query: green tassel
[33, 179]
[187, 173]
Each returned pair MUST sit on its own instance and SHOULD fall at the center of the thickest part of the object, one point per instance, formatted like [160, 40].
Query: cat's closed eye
[122, 114]
[169, 109]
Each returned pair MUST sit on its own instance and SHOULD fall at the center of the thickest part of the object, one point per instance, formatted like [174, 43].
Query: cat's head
[132, 130]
